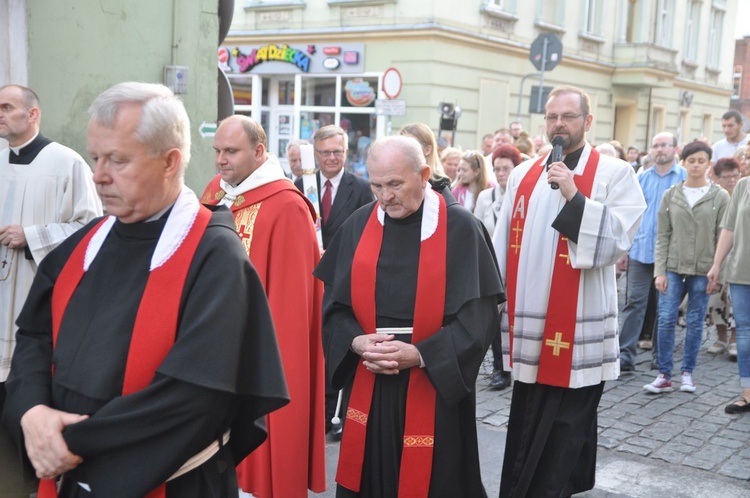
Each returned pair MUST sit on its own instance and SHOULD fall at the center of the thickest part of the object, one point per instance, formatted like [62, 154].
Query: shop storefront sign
[283, 58]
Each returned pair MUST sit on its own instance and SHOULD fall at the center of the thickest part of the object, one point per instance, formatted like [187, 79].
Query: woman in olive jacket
[688, 228]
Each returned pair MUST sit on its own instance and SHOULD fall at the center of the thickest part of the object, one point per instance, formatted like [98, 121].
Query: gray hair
[164, 122]
[330, 131]
[408, 146]
[295, 143]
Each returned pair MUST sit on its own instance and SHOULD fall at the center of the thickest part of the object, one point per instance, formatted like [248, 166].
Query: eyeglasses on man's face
[568, 117]
[338, 153]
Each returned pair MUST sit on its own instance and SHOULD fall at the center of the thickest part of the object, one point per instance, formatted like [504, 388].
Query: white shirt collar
[335, 181]
[268, 172]
[17, 150]
[430, 213]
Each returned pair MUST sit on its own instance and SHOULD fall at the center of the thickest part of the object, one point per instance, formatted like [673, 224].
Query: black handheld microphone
[557, 153]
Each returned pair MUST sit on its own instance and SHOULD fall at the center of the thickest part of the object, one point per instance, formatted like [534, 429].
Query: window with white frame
[664, 17]
[551, 12]
[715, 29]
[633, 21]
[692, 29]
[591, 17]
[737, 82]
[503, 5]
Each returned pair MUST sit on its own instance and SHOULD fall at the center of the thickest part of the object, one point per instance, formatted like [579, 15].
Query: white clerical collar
[429, 213]
[269, 171]
[178, 225]
[335, 181]
[17, 150]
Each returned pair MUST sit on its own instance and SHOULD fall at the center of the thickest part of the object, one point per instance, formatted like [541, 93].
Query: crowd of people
[151, 351]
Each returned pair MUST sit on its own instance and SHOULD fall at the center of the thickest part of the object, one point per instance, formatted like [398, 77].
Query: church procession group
[202, 345]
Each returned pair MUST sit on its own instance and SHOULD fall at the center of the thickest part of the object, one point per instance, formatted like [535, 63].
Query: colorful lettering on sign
[271, 52]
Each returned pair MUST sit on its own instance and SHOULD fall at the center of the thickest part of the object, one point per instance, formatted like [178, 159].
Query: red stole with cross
[556, 357]
[419, 430]
[157, 312]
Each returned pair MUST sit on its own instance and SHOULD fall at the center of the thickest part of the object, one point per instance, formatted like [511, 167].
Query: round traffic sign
[392, 83]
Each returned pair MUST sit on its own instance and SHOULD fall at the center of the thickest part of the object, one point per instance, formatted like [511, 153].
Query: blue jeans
[669, 306]
[640, 282]
[741, 302]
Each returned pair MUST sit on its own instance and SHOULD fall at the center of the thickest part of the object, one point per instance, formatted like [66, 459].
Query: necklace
[5, 264]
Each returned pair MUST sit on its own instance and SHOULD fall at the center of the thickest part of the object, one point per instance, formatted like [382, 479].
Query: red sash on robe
[419, 429]
[158, 312]
[556, 357]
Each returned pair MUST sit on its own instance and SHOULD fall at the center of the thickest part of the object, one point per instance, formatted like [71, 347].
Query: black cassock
[223, 372]
[452, 355]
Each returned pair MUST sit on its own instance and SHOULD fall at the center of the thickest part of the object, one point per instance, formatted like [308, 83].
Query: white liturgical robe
[608, 225]
[51, 194]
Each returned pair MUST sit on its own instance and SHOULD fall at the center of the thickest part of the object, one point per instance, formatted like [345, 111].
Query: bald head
[19, 114]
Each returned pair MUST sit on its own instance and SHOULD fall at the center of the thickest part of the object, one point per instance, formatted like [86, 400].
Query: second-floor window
[592, 16]
[692, 29]
[664, 17]
[715, 29]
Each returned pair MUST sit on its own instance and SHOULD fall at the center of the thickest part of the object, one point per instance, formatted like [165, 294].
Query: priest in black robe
[449, 356]
[71, 399]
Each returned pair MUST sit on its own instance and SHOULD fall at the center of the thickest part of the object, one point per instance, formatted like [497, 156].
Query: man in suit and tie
[341, 193]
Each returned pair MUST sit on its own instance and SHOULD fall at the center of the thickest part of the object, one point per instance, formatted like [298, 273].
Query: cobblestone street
[676, 445]
[677, 428]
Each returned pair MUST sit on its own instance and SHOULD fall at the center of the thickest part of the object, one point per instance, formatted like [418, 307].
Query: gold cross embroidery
[517, 245]
[567, 258]
[557, 344]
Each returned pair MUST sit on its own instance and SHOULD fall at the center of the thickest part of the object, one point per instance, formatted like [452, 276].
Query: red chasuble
[276, 225]
[158, 312]
[419, 427]
[556, 357]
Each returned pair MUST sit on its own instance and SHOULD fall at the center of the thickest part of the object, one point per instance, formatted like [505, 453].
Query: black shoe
[500, 380]
[654, 365]
[336, 431]
[626, 368]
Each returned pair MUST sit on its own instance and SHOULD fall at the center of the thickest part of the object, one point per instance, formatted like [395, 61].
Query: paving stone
[616, 434]
[638, 420]
[736, 467]
[688, 440]
[690, 411]
[495, 420]
[606, 442]
[637, 450]
[668, 455]
[698, 463]
[627, 427]
[713, 453]
[662, 431]
[644, 442]
[727, 443]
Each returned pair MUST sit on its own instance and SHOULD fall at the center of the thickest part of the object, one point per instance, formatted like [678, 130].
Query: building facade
[69, 52]
[741, 78]
[649, 65]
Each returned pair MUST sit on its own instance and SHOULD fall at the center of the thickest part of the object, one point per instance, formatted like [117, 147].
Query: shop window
[319, 91]
[242, 89]
[361, 130]
[310, 122]
[286, 92]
